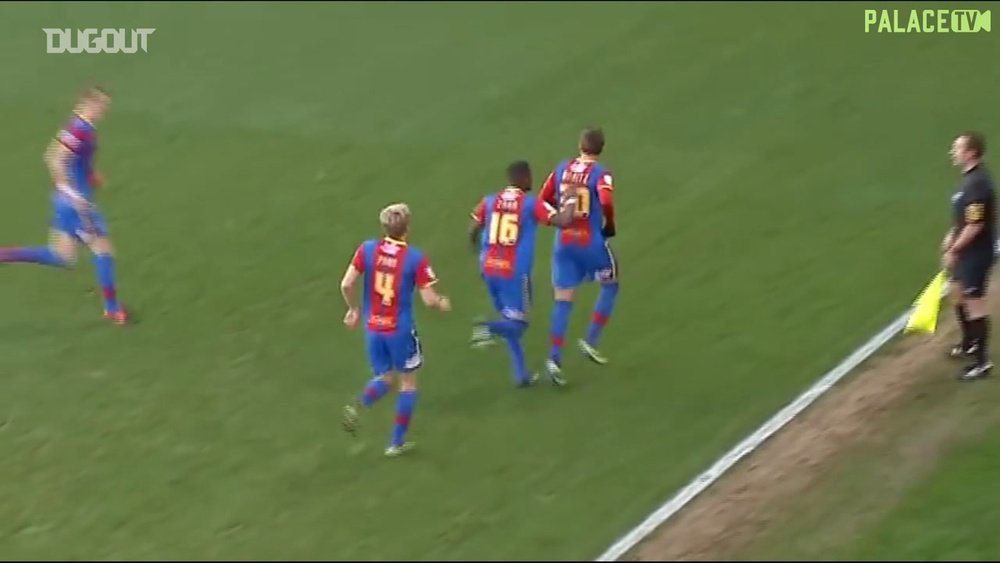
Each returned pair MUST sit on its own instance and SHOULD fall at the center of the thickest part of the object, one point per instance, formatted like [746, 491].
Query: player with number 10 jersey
[582, 252]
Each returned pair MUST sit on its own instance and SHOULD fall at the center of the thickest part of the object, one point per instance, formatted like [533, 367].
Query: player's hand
[97, 179]
[351, 318]
[608, 231]
[444, 304]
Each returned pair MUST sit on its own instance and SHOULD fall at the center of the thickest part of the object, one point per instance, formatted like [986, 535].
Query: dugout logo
[93, 40]
[927, 21]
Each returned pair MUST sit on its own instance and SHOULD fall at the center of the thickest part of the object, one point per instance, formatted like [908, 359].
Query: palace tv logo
[927, 21]
[92, 40]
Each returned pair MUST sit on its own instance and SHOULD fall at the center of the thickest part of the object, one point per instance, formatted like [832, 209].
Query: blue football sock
[560, 323]
[602, 312]
[404, 412]
[32, 255]
[375, 390]
[105, 266]
[517, 356]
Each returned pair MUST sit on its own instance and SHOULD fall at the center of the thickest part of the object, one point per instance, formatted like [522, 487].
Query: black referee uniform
[975, 203]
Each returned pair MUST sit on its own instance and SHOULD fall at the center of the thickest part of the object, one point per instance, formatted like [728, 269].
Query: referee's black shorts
[972, 271]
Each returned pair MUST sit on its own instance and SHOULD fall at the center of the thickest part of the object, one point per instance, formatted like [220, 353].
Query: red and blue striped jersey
[510, 220]
[593, 185]
[393, 271]
[80, 137]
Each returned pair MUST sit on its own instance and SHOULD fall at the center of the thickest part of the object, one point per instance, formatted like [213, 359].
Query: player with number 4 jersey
[391, 271]
[503, 229]
[582, 252]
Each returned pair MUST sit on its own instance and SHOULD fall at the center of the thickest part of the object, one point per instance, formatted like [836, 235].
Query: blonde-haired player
[391, 272]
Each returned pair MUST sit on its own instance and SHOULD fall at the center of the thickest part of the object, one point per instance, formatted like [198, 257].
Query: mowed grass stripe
[243, 175]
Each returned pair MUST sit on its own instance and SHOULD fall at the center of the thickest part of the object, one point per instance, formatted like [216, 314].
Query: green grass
[782, 183]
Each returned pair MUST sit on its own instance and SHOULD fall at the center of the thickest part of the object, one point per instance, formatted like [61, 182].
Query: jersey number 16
[504, 229]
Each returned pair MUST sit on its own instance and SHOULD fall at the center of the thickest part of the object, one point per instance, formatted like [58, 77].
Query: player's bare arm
[57, 158]
[434, 300]
[475, 233]
[347, 290]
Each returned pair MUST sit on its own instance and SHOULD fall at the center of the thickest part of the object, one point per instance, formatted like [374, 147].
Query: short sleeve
[543, 211]
[358, 261]
[425, 274]
[606, 181]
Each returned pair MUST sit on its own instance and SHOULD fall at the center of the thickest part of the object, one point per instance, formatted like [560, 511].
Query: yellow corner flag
[926, 307]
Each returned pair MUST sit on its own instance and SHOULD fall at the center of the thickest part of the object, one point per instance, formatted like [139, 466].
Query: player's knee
[408, 382]
[564, 294]
[65, 255]
[102, 246]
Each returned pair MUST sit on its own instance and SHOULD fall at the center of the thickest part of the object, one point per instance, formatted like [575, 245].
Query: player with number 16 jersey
[503, 228]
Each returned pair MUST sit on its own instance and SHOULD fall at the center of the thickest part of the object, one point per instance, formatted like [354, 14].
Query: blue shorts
[66, 219]
[394, 352]
[573, 265]
[511, 296]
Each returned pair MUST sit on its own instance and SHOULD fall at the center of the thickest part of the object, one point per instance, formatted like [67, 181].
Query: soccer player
[504, 225]
[969, 252]
[70, 159]
[582, 252]
[391, 270]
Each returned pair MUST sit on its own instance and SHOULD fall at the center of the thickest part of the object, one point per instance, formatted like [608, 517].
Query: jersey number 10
[504, 229]
[582, 199]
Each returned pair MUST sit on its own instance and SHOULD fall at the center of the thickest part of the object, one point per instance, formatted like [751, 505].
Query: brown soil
[738, 509]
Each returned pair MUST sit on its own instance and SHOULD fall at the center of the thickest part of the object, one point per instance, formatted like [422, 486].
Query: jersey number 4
[504, 229]
[385, 285]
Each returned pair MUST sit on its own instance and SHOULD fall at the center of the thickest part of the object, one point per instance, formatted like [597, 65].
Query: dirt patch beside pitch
[743, 505]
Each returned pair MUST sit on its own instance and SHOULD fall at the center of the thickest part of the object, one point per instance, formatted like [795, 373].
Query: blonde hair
[395, 219]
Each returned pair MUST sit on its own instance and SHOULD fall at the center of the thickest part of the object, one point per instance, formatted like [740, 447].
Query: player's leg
[99, 241]
[606, 273]
[377, 387]
[61, 250]
[567, 274]
[514, 301]
[975, 278]
[407, 358]
[481, 334]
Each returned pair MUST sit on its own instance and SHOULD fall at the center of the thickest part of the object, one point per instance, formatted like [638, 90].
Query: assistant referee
[969, 252]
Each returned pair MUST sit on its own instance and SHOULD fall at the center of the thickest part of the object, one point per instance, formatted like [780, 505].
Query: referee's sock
[980, 334]
[963, 322]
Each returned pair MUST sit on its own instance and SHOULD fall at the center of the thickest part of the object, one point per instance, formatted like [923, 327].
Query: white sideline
[752, 442]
